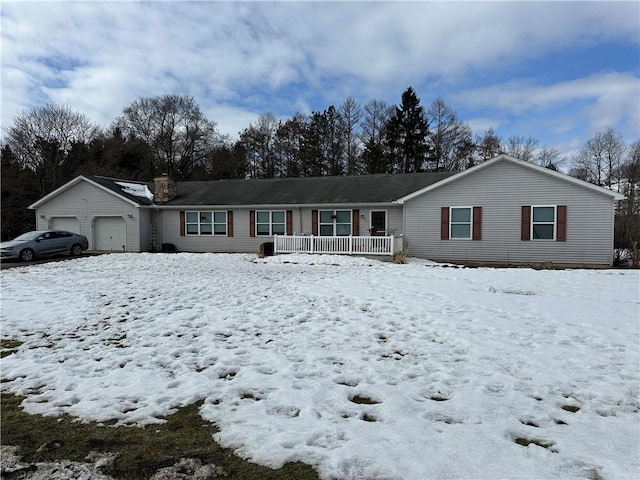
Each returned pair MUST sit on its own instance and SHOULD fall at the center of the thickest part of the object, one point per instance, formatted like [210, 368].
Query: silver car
[43, 243]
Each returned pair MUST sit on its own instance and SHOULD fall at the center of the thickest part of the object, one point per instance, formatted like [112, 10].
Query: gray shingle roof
[380, 188]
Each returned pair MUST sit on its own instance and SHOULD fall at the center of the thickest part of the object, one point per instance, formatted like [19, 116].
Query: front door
[379, 223]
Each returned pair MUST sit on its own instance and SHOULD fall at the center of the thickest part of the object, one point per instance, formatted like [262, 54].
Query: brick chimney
[164, 189]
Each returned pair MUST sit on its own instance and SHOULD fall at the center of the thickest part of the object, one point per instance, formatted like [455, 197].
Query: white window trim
[213, 224]
[334, 224]
[555, 223]
[270, 212]
[470, 222]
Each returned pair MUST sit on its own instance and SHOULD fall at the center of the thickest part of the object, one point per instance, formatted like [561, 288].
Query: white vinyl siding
[87, 202]
[243, 242]
[501, 190]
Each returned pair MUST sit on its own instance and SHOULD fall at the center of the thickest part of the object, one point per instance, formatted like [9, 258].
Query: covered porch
[337, 245]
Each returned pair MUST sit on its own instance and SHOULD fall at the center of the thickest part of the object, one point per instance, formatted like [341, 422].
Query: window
[270, 223]
[460, 224]
[206, 223]
[543, 223]
[335, 222]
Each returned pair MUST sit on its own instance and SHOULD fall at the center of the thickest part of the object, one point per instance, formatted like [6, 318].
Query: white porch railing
[336, 245]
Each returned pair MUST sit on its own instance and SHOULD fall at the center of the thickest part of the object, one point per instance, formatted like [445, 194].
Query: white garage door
[70, 224]
[110, 233]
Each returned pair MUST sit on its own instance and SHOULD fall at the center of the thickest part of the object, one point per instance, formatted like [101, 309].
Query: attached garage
[110, 234]
[69, 224]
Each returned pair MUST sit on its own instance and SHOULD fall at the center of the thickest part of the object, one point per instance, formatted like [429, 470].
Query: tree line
[51, 144]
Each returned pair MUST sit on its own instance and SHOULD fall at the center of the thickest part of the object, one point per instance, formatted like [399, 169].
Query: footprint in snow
[496, 389]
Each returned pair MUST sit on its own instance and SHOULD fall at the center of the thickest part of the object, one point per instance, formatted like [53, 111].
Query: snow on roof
[136, 189]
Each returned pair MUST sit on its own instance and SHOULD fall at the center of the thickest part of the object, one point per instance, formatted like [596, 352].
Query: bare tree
[179, 134]
[376, 115]
[450, 137]
[488, 145]
[521, 147]
[259, 144]
[42, 138]
[601, 158]
[627, 227]
[351, 114]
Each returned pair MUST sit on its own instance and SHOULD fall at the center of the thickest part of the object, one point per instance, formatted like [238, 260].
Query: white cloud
[606, 99]
[239, 58]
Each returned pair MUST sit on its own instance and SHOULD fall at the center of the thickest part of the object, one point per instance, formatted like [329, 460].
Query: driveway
[10, 263]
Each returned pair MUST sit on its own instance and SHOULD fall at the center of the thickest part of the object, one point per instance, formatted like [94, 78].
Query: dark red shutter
[252, 223]
[444, 223]
[355, 227]
[561, 233]
[525, 229]
[230, 223]
[477, 223]
[182, 224]
[314, 222]
[289, 226]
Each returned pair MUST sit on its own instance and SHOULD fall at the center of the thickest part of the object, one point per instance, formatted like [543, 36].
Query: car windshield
[28, 236]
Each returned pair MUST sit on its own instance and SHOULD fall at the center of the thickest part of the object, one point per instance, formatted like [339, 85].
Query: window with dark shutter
[314, 222]
[355, 224]
[182, 223]
[477, 223]
[252, 223]
[289, 230]
[444, 223]
[230, 223]
[561, 227]
[525, 227]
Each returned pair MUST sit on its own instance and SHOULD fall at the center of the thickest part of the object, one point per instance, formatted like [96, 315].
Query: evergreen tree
[407, 133]
[18, 189]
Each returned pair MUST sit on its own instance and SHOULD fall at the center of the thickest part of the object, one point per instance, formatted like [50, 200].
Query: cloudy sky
[556, 71]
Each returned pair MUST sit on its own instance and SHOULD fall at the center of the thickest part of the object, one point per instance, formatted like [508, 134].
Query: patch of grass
[525, 442]
[362, 400]
[7, 346]
[571, 408]
[400, 256]
[369, 418]
[142, 451]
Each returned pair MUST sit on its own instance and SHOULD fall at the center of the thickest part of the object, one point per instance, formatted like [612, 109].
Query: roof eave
[279, 205]
[509, 158]
[73, 182]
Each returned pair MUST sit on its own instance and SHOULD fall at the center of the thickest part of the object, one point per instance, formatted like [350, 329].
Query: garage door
[110, 233]
[70, 224]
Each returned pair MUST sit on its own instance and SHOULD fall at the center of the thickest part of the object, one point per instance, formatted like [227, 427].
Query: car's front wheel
[27, 255]
[76, 249]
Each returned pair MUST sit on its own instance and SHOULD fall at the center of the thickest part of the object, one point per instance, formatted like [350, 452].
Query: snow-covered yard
[362, 368]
